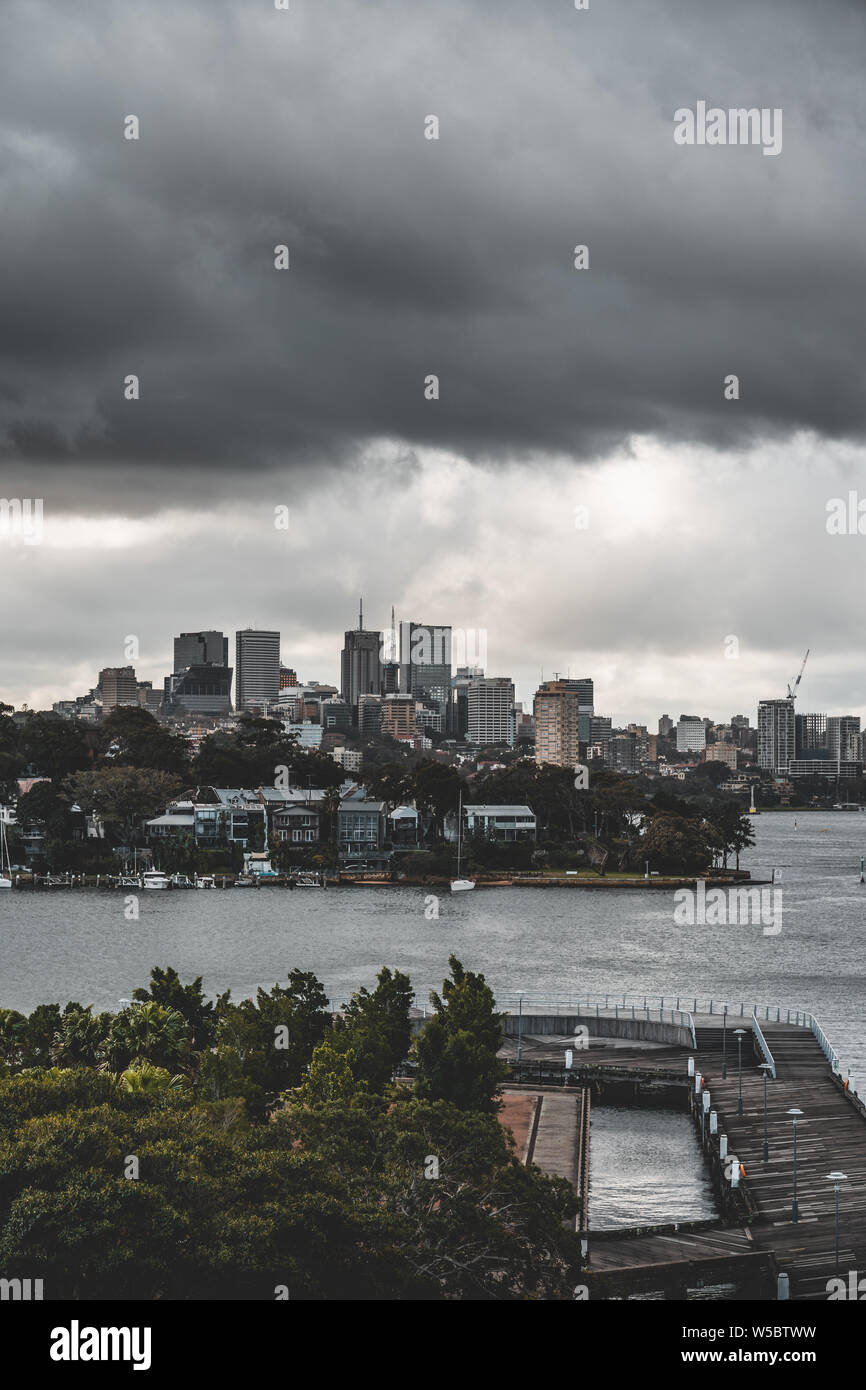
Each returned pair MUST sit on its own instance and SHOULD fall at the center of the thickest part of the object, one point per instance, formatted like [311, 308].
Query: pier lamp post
[724, 1042]
[795, 1210]
[739, 1034]
[835, 1179]
[519, 1024]
[765, 1067]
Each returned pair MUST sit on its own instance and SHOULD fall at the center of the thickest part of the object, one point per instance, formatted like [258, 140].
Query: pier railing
[630, 1007]
[762, 1045]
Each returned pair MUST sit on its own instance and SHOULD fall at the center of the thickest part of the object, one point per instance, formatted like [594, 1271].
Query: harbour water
[646, 1169]
[61, 944]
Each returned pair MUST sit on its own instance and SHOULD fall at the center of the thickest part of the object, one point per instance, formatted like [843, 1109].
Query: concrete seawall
[633, 1029]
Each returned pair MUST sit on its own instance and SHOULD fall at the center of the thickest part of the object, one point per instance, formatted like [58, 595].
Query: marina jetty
[383, 878]
[780, 1128]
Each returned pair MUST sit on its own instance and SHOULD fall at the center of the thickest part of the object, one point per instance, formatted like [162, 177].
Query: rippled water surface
[645, 1169]
[77, 944]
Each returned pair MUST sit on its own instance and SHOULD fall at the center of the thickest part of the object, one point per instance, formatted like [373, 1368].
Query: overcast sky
[560, 389]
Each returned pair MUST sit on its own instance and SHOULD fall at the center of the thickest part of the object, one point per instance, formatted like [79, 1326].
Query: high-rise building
[202, 689]
[425, 664]
[811, 736]
[288, 678]
[200, 649]
[490, 710]
[843, 738]
[776, 735]
[257, 668]
[622, 753]
[557, 728]
[585, 691]
[201, 679]
[691, 734]
[390, 659]
[360, 664]
[398, 716]
[118, 686]
[370, 714]
[666, 726]
[460, 683]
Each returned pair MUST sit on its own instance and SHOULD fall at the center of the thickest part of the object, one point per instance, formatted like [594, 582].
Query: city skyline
[671, 704]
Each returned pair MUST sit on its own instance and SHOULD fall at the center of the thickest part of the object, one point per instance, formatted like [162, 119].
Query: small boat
[204, 881]
[154, 878]
[5, 861]
[307, 878]
[245, 881]
[181, 881]
[458, 884]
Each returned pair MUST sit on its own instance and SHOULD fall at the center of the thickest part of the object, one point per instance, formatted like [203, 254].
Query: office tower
[118, 686]
[398, 716]
[257, 669]
[811, 736]
[425, 664]
[460, 683]
[776, 734]
[584, 690]
[691, 734]
[200, 649]
[600, 729]
[557, 729]
[201, 689]
[360, 664]
[390, 660]
[370, 714]
[201, 680]
[641, 735]
[622, 752]
[490, 710]
[843, 738]
[288, 678]
[666, 726]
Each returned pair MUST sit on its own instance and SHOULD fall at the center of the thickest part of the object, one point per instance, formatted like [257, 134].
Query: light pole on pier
[724, 1042]
[836, 1178]
[739, 1034]
[795, 1210]
[765, 1067]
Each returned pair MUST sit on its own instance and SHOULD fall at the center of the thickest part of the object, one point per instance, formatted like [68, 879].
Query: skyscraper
[843, 738]
[557, 727]
[691, 734]
[200, 649]
[257, 668]
[118, 686]
[425, 665]
[201, 681]
[360, 664]
[776, 734]
[490, 702]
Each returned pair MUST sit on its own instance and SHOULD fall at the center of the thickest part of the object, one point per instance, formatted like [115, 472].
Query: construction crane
[792, 692]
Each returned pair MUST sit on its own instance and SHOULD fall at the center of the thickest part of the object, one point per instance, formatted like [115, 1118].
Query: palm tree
[143, 1078]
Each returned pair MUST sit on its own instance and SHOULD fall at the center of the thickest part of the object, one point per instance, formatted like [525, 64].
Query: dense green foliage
[185, 1149]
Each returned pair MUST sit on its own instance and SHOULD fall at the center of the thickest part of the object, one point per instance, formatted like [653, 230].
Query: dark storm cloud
[410, 256]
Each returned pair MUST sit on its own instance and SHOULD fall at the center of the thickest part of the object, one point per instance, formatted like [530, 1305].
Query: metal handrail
[762, 1044]
[824, 1042]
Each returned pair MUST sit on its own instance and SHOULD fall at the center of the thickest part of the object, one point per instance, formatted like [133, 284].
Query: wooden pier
[756, 1238]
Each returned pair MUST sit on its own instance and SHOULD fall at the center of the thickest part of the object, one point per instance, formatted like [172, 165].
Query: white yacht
[458, 884]
[154, 878]
[205, 881]
[5, 862]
